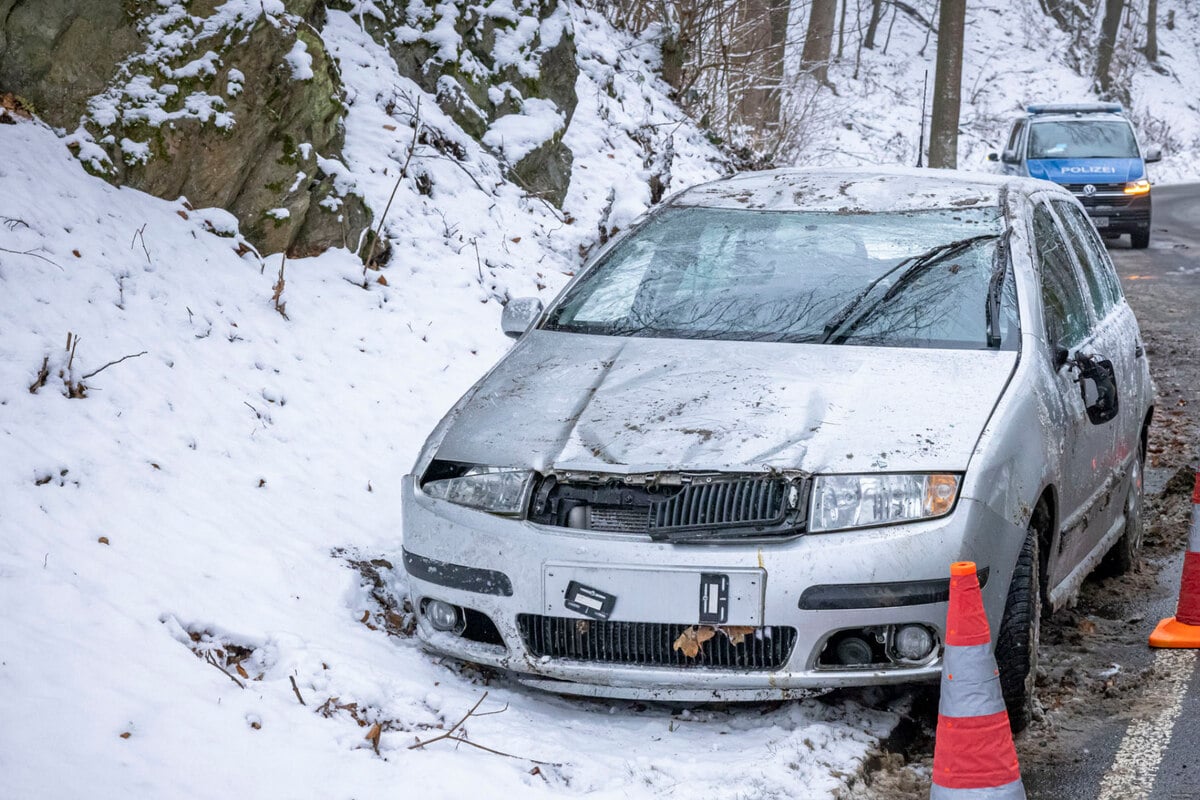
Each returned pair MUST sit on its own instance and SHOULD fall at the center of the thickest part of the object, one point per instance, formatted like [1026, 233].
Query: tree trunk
[1108, 43]
[818, 42]
[873, 25]
[947, 85]
[1152, 30]
[777, 12]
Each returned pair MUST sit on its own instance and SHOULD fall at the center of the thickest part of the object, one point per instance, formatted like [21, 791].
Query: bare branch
[109, 364]
[296, 689]
[31, 253]
[208, 657]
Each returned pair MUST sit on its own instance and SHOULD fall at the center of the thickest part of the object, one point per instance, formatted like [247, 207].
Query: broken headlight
[860, 501]
[499, 490]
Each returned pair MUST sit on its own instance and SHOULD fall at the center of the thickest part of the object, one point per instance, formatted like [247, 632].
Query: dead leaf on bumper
[692, 637]
[737, 633]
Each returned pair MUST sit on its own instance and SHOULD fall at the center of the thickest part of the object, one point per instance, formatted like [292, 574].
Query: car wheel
[1017, 644]
[1140, 240]
[1123, 557]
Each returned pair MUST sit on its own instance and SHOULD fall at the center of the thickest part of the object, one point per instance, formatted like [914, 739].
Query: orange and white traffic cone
[1183, 629]
[973, 754]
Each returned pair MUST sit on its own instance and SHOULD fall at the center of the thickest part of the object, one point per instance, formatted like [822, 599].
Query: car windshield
[1082, 139]
[913, 278]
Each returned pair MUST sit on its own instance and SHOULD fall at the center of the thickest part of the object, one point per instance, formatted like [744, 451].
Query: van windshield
[1082, 139]
[915, 279]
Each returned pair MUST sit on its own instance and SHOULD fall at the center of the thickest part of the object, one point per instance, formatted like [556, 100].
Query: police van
[1091, 149]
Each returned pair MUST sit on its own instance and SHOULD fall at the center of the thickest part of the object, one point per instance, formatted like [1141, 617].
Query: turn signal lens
[940, 491]
[1137, 187]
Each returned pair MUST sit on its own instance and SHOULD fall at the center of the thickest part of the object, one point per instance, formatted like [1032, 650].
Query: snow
[300, 61]
[206, 497]
[517, 135]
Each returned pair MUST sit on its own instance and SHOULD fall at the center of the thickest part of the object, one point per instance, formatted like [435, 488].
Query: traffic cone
[1183, 629]
[973, 754]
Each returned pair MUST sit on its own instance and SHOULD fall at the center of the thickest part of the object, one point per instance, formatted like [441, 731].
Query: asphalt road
[1137, 736]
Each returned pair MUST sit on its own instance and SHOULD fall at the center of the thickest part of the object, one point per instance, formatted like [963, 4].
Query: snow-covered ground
[1014, 54]
[188, 551]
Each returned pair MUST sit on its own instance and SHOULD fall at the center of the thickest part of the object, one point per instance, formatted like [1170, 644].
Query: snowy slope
[191, 549]
[1014, 54]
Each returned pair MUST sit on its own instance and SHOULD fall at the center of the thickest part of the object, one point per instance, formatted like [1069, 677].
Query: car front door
[1087, 448]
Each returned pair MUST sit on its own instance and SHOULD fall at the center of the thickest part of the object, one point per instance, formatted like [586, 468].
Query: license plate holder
[1100, 222]
[592, 603]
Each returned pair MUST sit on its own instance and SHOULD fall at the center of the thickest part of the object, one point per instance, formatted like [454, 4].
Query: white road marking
[1135, 766]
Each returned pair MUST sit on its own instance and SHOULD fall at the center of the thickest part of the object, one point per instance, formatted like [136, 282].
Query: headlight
[1137, 187]
[859, 501]
[500, 490]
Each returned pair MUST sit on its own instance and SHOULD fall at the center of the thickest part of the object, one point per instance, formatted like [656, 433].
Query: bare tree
[947, 85]
[1107, 45]
[1152, 30]
[873, 24]
[818, 42]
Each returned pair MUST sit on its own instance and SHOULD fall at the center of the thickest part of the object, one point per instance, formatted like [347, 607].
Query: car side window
[1103, 283]
[1065, 309]
[1014, 137]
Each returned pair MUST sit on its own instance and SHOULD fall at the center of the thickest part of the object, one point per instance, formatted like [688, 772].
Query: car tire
[1017, 644]
[1123, 557]
[1139, 240]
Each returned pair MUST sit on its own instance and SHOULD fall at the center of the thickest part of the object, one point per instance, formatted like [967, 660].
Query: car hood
[618, 404]
[1086, 170]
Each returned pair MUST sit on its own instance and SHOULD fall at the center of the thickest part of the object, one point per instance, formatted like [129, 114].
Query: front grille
[651, 644]
[1077, 188]
[1090, 202]
[743, 502]
[674, 507]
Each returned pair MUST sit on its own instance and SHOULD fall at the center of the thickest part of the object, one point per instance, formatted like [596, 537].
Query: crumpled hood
[619, 404]
[1086, 170]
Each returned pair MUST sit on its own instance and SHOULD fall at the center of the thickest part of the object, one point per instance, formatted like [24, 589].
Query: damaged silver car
[736, 456]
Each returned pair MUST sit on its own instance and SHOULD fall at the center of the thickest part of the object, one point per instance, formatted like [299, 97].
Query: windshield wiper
[915, 265]
[995, 287]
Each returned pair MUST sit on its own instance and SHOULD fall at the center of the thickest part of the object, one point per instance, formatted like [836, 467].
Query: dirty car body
[735, 457]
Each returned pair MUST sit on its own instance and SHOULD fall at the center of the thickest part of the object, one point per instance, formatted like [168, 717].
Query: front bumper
[1117, 212]
[505, 568]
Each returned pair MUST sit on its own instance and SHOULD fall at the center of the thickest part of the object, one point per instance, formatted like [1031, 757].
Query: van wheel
[1123, 557]
[1017, 644]
[1139, 241]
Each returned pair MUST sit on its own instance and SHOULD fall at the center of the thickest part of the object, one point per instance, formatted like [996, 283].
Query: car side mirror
[1153, 154]
[519, 313]
[1098, 387]
[993, 156]
[1009, 158]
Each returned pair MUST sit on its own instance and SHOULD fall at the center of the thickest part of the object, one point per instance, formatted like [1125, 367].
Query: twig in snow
[478, 263]
[369, 261]
[12, 223]
[296, 689]
[109, 364]
[277, 290]
[138, 234]
[31, 253]
[209, 658]
[448, 735]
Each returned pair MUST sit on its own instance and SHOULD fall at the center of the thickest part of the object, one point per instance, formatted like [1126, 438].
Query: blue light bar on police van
[1075, 108]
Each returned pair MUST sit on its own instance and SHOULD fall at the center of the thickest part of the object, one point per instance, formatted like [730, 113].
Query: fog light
[442, 615]
[913, 642]
[854, 652]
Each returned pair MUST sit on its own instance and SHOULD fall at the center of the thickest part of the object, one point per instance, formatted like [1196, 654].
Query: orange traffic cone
[1183, 629]
[973, 754]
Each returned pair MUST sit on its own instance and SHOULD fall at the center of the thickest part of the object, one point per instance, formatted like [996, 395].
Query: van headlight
[499, 490]
[860, 501]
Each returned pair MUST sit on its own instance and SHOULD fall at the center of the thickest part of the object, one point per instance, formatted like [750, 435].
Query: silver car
[734, 459]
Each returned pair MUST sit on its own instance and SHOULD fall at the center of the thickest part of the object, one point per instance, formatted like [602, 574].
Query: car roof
[1090, 117]
[855, 190]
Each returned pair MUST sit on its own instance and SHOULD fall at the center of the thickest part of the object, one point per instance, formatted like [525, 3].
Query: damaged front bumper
[601, 614]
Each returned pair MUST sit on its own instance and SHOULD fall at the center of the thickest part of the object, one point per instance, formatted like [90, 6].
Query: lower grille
[651, 644]
[748, 501]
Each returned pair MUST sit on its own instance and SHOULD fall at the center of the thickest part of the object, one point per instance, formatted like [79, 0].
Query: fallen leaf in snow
[242, 671]
[103, 540]
[126, 735]
[373, 736]
[692, 637]
[737, 633]
[1087, 626]
[366, 616]
[382, 281]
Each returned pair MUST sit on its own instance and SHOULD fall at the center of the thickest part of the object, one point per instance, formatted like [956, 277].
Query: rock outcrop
[230, 104]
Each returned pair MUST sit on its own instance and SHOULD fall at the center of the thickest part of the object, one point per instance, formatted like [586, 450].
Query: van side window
[1103, 283]
[1067, 321]
[1014, 137]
